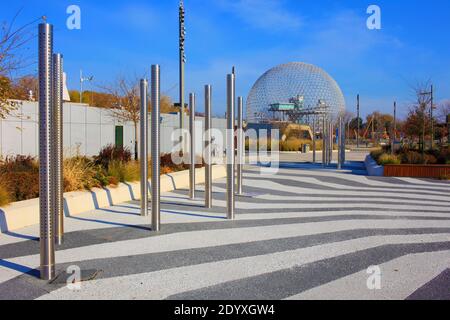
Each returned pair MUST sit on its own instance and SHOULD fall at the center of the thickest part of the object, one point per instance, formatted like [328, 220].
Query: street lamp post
[182, 61]
[431, 94]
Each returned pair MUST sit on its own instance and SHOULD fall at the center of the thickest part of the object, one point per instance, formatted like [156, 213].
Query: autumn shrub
[4, 196]
[20, 177]
[376, 154]
[385, 159]
[81, 173]
[412, 157]
[123, 172]
[111, 153]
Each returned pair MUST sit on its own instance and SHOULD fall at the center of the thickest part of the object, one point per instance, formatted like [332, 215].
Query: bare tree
[126, 103]
[12, 42]
[443, 111]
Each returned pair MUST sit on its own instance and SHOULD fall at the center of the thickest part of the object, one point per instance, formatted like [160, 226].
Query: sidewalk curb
[26, 213]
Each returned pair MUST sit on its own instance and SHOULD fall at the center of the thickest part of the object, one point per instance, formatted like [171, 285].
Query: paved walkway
[301, 234]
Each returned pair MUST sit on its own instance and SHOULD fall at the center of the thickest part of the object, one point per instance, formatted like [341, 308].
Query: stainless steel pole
[343, 143]
[57, 147]
[357, 121]
[144, 147]
[314, 140]
[340, 144]
[240, 145]
[208, 155]
[192, 145]
[330, 158]
[46, 187]
[155, 148]
[324, 144]
[230, 147]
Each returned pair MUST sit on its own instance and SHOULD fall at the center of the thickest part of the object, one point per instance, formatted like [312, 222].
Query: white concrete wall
[86, 130]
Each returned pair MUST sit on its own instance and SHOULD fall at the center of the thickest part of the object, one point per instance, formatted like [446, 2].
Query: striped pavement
[300, 234]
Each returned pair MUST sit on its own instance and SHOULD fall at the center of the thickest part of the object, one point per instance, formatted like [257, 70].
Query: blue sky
[126, 37]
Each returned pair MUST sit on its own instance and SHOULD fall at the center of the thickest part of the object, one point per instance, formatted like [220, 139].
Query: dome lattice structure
[283, 83]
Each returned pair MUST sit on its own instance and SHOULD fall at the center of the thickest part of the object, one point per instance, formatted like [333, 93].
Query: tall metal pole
[144, 147]
[431, 116]
[192, 145]
[230, 147]
[57, 147]
[340, 137]
[208, 155]
[357, 121]
[330, 146]
[240, 145]
[394, 129]
[81, 86]
[182, 61]
[324, 144]
[155, 147]
[314, 140]
[47, 218]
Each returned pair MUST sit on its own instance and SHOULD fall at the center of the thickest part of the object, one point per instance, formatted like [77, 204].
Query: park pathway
[298, 234]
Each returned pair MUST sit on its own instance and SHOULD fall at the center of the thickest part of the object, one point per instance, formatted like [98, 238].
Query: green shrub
[412, 157]
[385, 159]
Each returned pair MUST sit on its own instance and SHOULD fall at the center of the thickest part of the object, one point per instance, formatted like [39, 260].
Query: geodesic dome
[283, 83]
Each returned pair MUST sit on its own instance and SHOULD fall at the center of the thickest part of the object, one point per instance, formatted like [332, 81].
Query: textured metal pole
[357, 121]
[192, 145]
[324, 146]
[314, 140]
[208, 155]
[340, 136]
[240, 144]
[155, 148]
[431, 117]
[144, 147]
[230, 146]
[330, 158]
[46, 184]
[343, 143]
[57, 147]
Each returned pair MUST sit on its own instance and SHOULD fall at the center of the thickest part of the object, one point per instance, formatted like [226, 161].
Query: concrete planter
[26, 213]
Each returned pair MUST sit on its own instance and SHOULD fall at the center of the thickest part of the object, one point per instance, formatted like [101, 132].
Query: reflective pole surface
[230, 146]
[314, 140]
[330, 146]
[324, 140]
[144, 147]
[155, 147]
[340, 144]
[240, 144]
[47, 240]
[192, 145]
[57, 147]
[208, 151]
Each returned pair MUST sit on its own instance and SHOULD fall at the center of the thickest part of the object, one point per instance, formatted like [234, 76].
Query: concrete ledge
[373, 168]
[26, 213]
